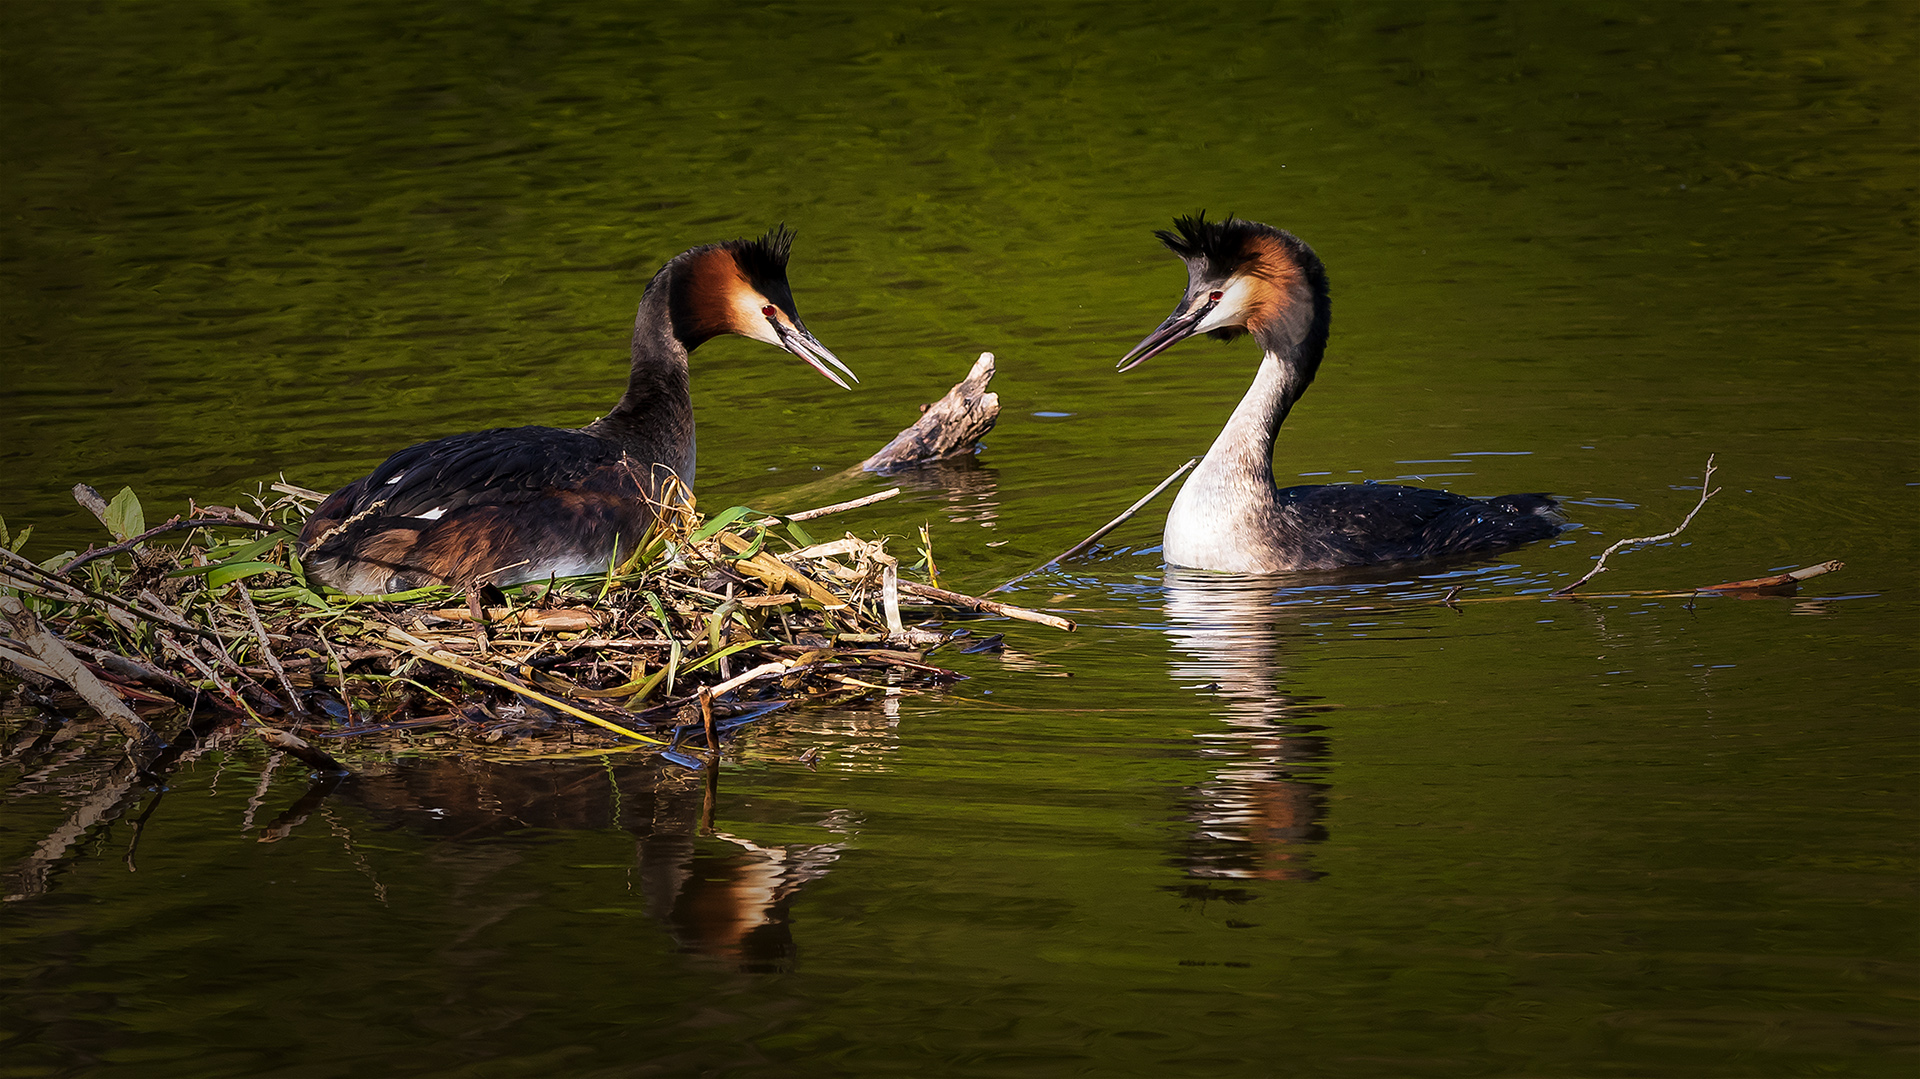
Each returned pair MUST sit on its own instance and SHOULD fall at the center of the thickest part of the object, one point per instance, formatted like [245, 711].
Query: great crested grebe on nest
[517, 504]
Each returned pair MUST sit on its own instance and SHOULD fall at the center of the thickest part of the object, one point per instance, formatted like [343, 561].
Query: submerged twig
[1707, 490]
[295, 746]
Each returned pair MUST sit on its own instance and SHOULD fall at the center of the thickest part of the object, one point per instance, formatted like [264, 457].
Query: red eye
[1215, 298]
[769, 310]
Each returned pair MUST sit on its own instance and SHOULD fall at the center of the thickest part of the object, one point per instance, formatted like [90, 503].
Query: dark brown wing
[512, 504]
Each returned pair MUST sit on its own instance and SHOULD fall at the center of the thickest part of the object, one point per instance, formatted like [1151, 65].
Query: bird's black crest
[764, 261]
[1223, 244]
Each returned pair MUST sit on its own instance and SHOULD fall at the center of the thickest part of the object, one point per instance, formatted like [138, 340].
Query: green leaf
[721, 520]
[229, 572]
[799, 534]
[264, 543]
[244, 553]
[20, 540]
[124, 517]
[5, 540]
[673, 642]
[293, 592]
[432, 592]
[722, 654]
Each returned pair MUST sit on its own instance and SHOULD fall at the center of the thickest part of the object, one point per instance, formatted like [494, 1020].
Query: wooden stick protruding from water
[949, 427]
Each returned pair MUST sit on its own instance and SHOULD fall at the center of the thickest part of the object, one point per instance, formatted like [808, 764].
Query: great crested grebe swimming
[524, 503]
[1229, 516]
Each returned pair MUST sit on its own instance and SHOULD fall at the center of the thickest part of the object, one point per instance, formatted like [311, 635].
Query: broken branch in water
[1779, 582]
[1102, 530]
[1707, 490]
[63, 665]
[948, 427]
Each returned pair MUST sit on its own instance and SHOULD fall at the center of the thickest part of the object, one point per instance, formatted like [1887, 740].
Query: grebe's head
[740, 287]
[1242, 277]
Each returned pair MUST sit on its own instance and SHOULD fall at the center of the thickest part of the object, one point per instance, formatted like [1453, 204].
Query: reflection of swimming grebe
[524, 503]
[1260, 812]
[1229, 515]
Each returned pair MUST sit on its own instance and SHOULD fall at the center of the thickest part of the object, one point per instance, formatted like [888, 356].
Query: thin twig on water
[975, 603]
[837, 507]
[1102, 530]
[1707, 490]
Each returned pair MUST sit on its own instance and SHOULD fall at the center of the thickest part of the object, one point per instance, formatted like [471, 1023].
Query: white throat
[1222, 518]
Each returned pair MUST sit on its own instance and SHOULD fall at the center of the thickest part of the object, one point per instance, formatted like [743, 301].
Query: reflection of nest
[720, 895]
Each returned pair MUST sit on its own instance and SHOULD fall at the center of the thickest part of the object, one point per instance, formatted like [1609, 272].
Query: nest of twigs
[709, 624]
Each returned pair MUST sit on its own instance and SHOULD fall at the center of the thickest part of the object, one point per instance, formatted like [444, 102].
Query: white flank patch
[433, 514]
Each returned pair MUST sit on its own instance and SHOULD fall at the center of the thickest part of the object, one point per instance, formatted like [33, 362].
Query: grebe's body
[1229, 516]
[526, 503]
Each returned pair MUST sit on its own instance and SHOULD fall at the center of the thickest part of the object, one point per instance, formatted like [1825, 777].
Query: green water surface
[1300, 826]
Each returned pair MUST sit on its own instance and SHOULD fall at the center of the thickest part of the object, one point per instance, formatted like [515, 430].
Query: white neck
[1222, 519]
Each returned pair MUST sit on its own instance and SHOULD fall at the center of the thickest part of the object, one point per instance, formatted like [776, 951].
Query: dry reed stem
[266, 649]
[837, 507]
[975, 603]
[416, 646]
